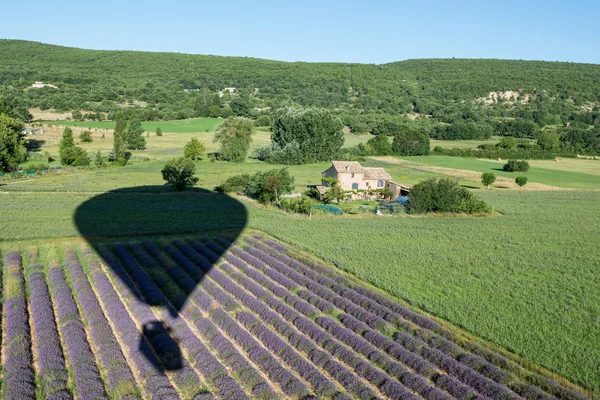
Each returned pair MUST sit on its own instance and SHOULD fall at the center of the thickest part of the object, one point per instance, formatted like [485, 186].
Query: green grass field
[462, 144]
[571, 176]
[181, 126]
[527, 279]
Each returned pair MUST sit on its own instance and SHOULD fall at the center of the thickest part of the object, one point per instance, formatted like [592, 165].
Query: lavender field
[208, 319]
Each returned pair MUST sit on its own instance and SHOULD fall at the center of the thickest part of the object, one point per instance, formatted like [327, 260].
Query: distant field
[143, 173]
[462, 144]
[183, 126]
[157, 147]
[572, 174]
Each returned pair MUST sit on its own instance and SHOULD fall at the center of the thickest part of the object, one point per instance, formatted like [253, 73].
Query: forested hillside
[176, 86]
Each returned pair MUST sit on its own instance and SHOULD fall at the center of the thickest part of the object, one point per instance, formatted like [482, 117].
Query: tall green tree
[410, 143]
[12, 149]
[235, 137]
[317, 133]
[134, 135]
[548, 141]
[120, 141]
[380, 145]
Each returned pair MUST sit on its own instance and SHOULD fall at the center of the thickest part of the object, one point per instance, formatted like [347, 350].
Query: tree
[64, 147]
[12, 149]
[180, 173]
[13, 106]
[240, 107]
[410, 143]
[487, 179]
[86, 137]
[380, 145]
[335, 191]
[269, 185]
[521, 181]
[235, 137]
[316, 132]
[120, 142]
[194, 149]
[159, 131]
[134, 135]
[548, 141]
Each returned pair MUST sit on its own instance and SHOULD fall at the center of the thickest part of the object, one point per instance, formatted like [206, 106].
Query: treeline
[450, 92]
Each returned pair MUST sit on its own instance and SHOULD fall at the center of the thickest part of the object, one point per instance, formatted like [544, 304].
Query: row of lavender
[288, 307]
[76, 354]
[186, 319]
[369, 313]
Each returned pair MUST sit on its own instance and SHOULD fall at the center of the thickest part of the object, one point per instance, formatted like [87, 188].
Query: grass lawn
[567, 177]
[193, 125]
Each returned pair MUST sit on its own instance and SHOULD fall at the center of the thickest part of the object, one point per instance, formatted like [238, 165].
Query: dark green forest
[450, 95]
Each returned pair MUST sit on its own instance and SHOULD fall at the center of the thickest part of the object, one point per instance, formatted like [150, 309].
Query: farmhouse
[359, 181]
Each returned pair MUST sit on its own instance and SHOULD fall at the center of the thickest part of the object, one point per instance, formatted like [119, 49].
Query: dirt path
[501, 181]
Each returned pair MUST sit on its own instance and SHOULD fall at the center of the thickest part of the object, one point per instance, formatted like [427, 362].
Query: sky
[335, 31]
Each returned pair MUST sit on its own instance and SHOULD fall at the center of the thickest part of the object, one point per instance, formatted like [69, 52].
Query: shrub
[516, 166]
[443, 195]
[235, 184]
[301, 205]
[194, 149]
[180, 173]
[159, 131]
[86, 137]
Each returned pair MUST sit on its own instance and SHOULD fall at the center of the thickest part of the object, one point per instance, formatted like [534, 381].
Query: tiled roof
[354, 167]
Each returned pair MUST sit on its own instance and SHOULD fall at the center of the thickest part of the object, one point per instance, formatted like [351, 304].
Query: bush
[38, 167]
[493, 152]
[301, 205]
[194, 149]
[180, 173]
[159, 132]
[86, 137]
[516, 166]
[265, 186]
[74, 156]
[443, 195]
[235, 184]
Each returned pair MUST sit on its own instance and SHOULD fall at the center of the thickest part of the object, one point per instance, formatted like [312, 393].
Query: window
[379, 183]
[355, 186]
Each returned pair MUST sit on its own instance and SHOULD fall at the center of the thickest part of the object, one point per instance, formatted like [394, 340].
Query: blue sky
[350, 31]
